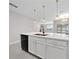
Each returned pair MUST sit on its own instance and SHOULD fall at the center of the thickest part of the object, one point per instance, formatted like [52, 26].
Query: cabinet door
[53, 52]
[40, 50]
[32, 45]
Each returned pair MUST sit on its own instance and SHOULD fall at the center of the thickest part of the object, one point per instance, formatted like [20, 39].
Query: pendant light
[43, 13]
[60, 14]
[57, 9]
[34, 15]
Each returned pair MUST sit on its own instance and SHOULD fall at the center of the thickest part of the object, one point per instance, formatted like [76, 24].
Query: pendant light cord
[34, 14]
[43, 12]
[57, 8]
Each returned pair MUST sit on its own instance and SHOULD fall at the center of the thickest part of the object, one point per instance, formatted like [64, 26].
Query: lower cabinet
[48, 49]
[40, 50]
[56, 52]
[32, 45]
[37, 46]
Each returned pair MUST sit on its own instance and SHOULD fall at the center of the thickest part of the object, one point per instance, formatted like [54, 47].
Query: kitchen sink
[41, 34]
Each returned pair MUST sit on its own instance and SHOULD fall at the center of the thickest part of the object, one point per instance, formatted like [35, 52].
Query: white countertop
[50, 35]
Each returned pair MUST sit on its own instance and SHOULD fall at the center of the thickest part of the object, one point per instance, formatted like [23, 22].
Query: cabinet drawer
[37, 39]
[40, 40]
[55, 42]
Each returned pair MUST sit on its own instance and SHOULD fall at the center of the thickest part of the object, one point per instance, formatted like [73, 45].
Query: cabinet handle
[54, 43]
[55, 46]
[40, 43]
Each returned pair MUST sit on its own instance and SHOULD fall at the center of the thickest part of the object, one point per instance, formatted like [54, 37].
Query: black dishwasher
[24, 42]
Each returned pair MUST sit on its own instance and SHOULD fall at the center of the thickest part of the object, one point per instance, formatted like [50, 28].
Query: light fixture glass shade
[62, 16]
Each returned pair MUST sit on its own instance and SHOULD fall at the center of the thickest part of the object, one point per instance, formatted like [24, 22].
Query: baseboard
[14, 42]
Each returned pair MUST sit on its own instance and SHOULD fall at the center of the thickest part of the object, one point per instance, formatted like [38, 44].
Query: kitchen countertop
[57, 36]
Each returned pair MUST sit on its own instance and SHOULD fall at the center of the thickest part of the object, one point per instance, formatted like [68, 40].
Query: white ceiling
[26, 7]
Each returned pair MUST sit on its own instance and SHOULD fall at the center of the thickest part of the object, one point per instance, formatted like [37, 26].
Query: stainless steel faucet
[42, 29]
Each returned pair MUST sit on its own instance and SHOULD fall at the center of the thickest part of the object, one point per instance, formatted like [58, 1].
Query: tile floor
[15, 52]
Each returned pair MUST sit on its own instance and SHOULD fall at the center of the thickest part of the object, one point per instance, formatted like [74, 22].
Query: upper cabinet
[63, 6]
[61, 26]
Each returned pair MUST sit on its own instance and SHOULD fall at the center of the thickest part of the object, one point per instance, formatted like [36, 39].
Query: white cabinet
[37, 46]
[32, 45]
[56, 49]
[48, 48]
[40, 50]
[56, 52]
[40, 47]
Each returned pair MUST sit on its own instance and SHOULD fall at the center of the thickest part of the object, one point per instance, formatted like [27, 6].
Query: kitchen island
[50, 46]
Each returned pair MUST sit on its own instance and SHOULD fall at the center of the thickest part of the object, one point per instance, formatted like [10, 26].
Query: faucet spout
[43, 31]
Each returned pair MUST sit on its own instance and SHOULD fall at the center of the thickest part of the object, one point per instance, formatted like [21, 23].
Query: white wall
[19, 24]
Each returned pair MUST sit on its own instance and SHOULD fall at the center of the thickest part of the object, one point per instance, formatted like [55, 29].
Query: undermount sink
[41, 34]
